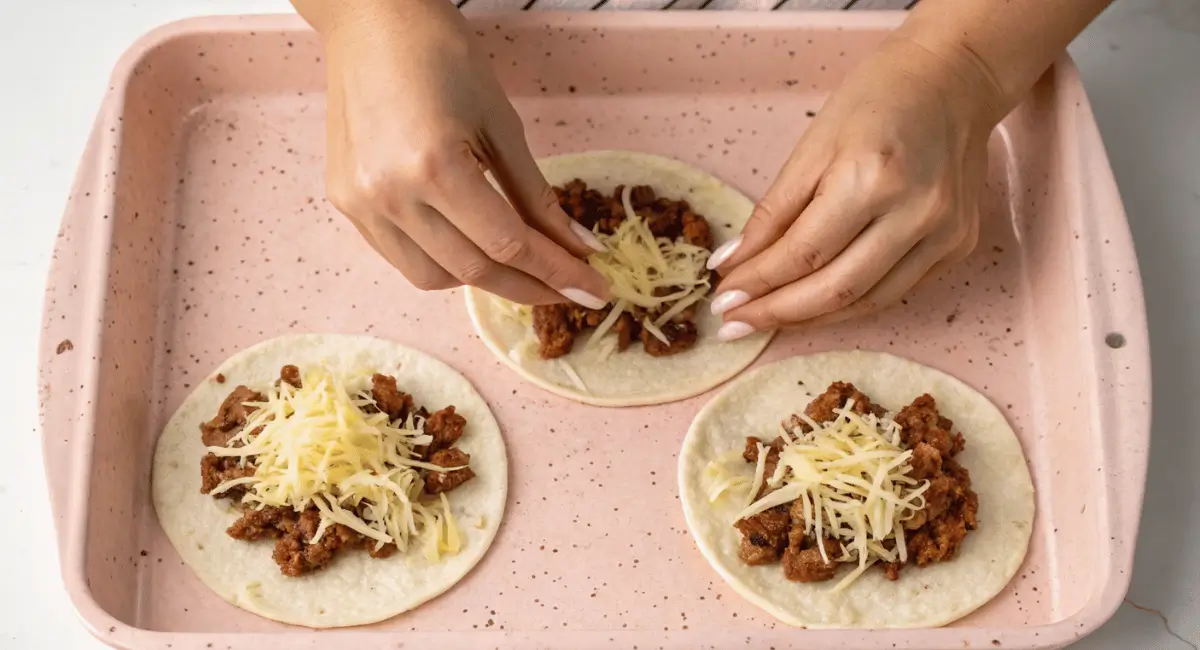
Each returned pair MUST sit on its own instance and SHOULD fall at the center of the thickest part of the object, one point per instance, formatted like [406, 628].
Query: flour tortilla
[632, 377]
[354, 589]
[935, 595]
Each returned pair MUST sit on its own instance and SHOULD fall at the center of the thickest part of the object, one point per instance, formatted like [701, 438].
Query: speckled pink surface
[197, 226]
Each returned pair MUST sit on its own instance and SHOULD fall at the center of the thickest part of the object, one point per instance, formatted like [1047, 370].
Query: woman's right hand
[415, 118]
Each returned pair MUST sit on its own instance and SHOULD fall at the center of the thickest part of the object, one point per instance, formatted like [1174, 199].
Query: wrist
[970, 91]
[332, 19]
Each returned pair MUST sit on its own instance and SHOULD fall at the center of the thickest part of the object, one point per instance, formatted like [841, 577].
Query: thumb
[531, 196]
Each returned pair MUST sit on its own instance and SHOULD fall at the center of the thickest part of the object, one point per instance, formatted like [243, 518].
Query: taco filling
[655, 265]
[846, 485]
[324, 465]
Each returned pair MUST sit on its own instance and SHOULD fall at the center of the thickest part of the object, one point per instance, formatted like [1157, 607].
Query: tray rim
[70, 506]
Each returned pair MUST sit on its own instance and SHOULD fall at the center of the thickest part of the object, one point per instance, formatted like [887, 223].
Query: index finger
[793, 188]
[474, 206]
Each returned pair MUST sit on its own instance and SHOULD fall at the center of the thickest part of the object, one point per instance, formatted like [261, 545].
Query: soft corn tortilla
[922, 597]
[632, 377]
[354, 589]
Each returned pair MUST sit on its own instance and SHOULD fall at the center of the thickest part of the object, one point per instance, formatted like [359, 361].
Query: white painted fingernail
[724, 252]
[734, 330]
[587, 237]
[729, 300]
[583, 298]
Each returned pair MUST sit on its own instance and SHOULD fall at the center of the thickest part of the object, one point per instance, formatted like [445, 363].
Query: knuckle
[556, 275]
[508, 250]
[871, 169]
[943, 205]
[372, 190]
[427, 166]
[807, 257]
[759, 276]
[844, 176]
[547, 200]
[426, 282]
[843, 295]
[341, 198]
[762, 217]
[477, 271]
[433, 165]
[863, 306]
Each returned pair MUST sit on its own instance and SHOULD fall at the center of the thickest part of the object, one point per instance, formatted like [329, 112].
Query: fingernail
[729, 300]
[724, 252]
[584, 298]
[734, 330]
[587, 237]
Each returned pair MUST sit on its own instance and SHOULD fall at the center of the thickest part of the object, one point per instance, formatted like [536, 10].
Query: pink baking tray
[197, 227]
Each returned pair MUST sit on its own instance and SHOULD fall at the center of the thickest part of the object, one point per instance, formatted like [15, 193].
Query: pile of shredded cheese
[850, 476]
[636, 265]
[316, 446]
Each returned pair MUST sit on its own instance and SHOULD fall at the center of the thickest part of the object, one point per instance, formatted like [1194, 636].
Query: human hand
[881, 191]
[415, 118]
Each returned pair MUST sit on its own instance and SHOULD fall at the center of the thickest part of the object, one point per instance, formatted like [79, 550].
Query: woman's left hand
[881, 191]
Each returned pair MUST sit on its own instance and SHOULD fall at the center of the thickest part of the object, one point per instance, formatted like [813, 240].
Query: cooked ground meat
[682, 336]
[438, 482]
[926, 461]
[921, 422]
[291, 375]
[557, 326]
[626, 328]
[230, 418]
[446, 427]
[215, 470]
[802, 561]
[696, 230]
[934, 535]
[764, 536]
[554, 329]
[295, 552]
[821, 409]
[751, 456]
[270, 522]
[293, 532]
[396, 403]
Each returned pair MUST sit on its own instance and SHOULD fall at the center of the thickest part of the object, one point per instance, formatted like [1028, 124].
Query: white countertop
[1141, 66]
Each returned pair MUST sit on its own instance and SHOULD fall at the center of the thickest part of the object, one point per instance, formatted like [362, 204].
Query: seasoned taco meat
[822, 409]
[446, 427]
[290, 374]
[682, 336]
[802, 561]
[557, 326]
[933, 535]
[270, 522]
[230, 417]
[554, 329]
[215, 470]
[388, 399]
[295, 550]
[438, 482]
[764, 536]
[920, 422]
[751, 456]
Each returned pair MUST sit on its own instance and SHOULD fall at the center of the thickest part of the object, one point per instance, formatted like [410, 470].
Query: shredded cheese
[571, 374]
[850, 480]
[315, 446]
[655, 332]
[638, 267]
[609, 320]
[637, 264]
